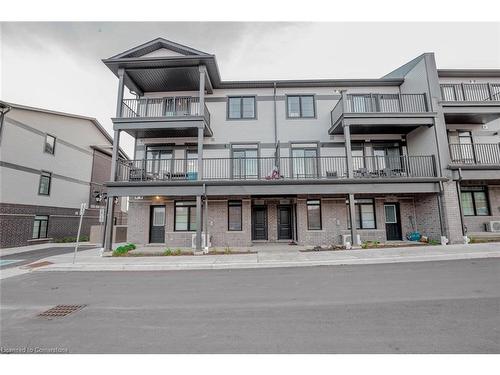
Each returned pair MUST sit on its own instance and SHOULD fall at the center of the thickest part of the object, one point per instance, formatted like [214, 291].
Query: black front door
[284, 222]
[259, 223]
[157, 224]
[392, 222]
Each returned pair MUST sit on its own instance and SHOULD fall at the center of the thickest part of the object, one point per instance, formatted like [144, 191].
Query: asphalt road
[427, 307]
[32, 256]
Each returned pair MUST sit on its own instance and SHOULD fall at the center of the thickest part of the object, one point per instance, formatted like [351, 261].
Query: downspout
[459, 189]
[205, 217]
[275, 122]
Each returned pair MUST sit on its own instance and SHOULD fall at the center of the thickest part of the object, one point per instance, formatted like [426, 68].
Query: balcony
[475, 154]
[327, 168]
[167, 117]
[474, 103]
[380, 113]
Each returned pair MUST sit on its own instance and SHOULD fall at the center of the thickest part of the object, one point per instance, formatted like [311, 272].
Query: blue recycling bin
[192, 175]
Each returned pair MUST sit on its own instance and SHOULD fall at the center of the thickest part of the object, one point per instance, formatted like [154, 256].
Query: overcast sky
[58, 65]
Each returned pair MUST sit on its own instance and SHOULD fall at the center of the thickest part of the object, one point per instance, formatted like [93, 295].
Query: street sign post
[83, 206]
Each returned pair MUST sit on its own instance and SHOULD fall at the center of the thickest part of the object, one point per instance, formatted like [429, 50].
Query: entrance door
[284, 222]
[392, 221]
[157, 225]
[259, 223]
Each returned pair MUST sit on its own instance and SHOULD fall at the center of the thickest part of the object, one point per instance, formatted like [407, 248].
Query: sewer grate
[61, 310]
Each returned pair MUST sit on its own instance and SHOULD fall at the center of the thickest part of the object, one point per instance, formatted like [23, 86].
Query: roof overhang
[461, 112]
[468, 73]
[382, 123]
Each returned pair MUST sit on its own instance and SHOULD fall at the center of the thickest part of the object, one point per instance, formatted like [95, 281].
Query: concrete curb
[265, 264]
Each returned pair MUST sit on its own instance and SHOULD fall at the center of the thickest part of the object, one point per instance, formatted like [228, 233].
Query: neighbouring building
[241, 162]
[50, 163]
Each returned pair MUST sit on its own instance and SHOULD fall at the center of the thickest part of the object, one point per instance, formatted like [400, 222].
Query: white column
[352, 215]
[198, 223]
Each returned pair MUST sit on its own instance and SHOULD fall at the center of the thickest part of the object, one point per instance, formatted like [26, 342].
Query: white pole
[82, 212]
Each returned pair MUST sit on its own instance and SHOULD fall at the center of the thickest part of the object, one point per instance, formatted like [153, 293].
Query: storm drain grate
[61, 310]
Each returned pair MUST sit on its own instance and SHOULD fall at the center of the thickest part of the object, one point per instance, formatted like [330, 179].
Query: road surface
[425, 307]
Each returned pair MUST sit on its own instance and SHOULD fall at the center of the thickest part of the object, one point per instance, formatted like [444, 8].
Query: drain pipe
[459, 189]
[205, 217]
[275, 118]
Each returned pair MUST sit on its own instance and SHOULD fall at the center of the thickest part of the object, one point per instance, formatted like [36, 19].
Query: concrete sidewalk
[90, 260]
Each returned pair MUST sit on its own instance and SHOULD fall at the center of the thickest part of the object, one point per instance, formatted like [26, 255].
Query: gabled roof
[157, 44]
[93, 120]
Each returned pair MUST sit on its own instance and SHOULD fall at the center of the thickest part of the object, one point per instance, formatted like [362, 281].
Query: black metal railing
[164, 107]
[475, 153]
[470, 92]
[379, 103]
[271, 168]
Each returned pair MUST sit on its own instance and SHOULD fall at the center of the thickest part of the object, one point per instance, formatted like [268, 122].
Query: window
[44, 184]
[234, 215]
[300, 106]
[314, 215]
[159, 160]
[241, 107]
[475, 201]
[365, 214]
[40, 226]
[50, 144]
[304, 162]
[185, 216]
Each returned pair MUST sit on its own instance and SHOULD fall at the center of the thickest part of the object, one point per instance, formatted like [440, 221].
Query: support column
[198, 223]
[108, 235]
[108, 225]
[202, 70]
[352, 215]
[348, 153]
[205, 220]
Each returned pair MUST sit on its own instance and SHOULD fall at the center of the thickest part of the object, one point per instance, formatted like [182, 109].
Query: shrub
[71, 239]
[227, 250]
[167, 252]
[178, 252]
[124, 249]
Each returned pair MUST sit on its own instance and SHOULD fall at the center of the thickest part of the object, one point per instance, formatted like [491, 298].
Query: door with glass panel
[191, 164]
[392, 222]
[361, 103]
[466, 148]
[387, 160]
[304, 163]
[245, 164]
[157, 225]
[158, 162]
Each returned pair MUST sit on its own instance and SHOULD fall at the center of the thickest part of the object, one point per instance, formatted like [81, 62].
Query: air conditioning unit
[203, 237]
[493, 226]
[347, 238]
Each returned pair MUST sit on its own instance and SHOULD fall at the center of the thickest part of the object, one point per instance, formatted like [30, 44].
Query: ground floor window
[364, 212]
[314, 214]
[185, 216]
[475, 201]
[234, 216]
[40, 226]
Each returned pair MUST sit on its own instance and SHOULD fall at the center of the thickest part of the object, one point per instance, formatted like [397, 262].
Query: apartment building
[234, 163]
[50, 163]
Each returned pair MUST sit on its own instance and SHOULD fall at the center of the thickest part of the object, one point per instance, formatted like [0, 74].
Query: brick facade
[476, 224]
[16, 223]
[417, 212]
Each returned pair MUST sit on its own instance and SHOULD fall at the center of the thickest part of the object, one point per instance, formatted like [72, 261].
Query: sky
[57, 65]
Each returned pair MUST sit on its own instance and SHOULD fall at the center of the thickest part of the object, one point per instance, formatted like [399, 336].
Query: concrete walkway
[23, 249]
[91, 260]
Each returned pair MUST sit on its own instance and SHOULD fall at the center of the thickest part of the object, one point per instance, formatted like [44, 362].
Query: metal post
[201, 128]
[347, 138]
[352, 215]
[205, 222]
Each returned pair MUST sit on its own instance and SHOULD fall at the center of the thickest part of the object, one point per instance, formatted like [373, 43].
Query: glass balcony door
[304, 163]
[245, 164]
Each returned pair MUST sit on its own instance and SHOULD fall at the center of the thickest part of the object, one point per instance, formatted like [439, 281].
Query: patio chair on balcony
[361, 172]
[137, 174]
[332, 174]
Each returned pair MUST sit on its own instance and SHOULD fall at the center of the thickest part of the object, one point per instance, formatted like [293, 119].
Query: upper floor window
[44, 184]
[300, 106]
[241, 107]
[50, 144]
[474, 201]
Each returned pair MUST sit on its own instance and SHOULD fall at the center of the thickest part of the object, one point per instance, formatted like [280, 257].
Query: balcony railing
[470, 92]
[270, 168]
[475, 153]
[379, 103]
[164, 107]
